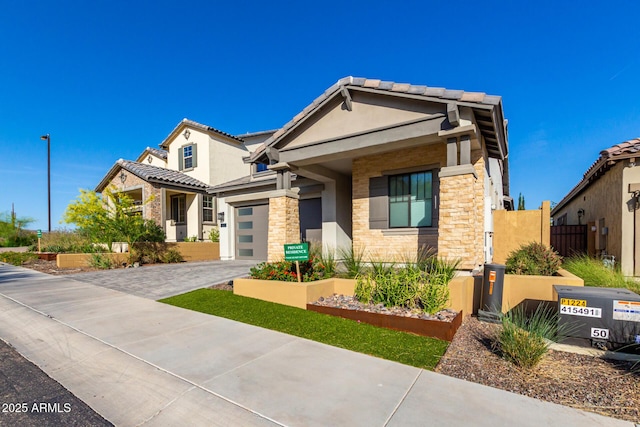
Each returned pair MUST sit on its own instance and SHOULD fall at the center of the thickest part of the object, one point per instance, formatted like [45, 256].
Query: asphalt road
[30, 398]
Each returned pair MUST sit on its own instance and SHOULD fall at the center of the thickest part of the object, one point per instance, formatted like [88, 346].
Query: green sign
[39, 234]
[296, 252]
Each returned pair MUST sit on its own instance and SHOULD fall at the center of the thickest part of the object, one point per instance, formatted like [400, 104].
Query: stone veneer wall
[151, 210]
[377, 245]
[460, 232]
[284, 225]
[461, 227]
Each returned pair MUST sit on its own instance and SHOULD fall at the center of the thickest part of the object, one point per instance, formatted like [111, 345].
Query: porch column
[284, 223]
[461, 216]
[336, 215]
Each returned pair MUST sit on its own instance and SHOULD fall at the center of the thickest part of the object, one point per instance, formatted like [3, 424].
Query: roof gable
[186, 124]
[609, 157]
[152, 174]
[488, 108]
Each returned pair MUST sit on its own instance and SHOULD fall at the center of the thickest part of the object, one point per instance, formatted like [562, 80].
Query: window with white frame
[207, 209]
[187, 156]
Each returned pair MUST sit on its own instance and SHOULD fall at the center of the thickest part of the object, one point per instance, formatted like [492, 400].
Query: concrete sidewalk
[139, 362]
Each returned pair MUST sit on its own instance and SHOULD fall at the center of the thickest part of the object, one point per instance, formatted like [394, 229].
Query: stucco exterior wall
[512, 229]
[629, 227]
[368, 112]
[226, 160]
[602, 199]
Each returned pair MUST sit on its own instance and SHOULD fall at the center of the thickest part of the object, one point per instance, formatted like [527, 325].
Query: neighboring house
[607, 201]
[176, 177]
[153, 156]
[388, 167]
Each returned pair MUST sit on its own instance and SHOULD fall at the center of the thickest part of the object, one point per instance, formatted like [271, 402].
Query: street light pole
[47, 137]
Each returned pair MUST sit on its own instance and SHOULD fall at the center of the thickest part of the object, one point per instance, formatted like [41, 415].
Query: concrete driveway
[164, 280]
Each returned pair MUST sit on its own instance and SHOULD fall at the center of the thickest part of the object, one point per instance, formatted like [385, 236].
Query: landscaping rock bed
[585, 382]
[348, 302]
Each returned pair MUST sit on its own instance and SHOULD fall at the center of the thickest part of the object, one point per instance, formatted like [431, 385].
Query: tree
[521, 202]
[12, 232]
[111, 217]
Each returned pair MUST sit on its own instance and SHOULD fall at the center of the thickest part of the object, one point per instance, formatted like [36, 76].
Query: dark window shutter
[379, 202]
[181, 158]
[194, 153]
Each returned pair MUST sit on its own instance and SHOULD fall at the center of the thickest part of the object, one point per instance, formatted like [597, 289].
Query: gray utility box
[603, 315]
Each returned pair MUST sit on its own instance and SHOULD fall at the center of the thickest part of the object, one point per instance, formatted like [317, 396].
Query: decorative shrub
[67, 241]
[533, 259]
[285, 271]
[214, 235]
[352, 260]
[171, 256]
[525, 340]
[595, 273]
[404, 287]
[17, 258]
[101, 261]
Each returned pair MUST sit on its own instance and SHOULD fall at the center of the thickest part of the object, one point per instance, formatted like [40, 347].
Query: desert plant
[595, 273]
[325, 257]
[214, 234]
[407, 287]
[172, 256]
[17, 258]
[101, 261]
[533, 259]
[68, 241]
[524, 340]
[353, 260]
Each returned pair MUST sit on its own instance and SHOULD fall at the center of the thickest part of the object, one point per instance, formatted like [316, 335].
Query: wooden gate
[569, 240]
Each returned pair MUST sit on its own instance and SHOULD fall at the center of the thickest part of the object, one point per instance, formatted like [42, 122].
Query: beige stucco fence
[190, 251]
[464, 290]
[512, 229]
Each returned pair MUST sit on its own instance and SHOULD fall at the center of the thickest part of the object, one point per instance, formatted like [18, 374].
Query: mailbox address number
[573, 310]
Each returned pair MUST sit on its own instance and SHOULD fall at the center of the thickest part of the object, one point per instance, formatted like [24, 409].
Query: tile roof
[158, 152]
[478, 98]
[161, 175]
[198, 126]
[605, 161]
[153, 174]
[155, 151]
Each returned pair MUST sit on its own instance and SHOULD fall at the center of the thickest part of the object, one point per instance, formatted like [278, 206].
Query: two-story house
[170, 184]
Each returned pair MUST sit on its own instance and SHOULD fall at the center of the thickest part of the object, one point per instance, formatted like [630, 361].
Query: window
[261, 167]
[411, 200]
[187, 156]
[178, 208]
[207, 209]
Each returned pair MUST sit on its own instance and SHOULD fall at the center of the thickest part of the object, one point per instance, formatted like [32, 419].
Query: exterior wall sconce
[580, 215]
[123, 177]
[187, 134]
[221, 216]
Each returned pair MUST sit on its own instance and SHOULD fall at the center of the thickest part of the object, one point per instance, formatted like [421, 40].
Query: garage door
[252, 223]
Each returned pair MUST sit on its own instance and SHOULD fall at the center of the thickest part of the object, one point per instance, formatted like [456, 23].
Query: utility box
[609, 317]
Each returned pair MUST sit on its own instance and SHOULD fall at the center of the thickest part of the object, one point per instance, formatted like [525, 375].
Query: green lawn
[402, 347]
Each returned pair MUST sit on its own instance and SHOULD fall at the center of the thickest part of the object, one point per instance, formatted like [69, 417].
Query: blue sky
[108, 78]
